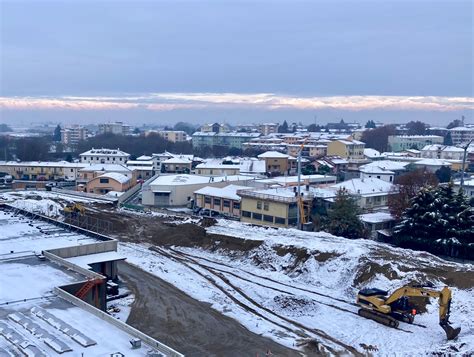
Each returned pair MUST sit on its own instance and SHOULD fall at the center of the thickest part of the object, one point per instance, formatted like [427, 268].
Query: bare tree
[407, 186]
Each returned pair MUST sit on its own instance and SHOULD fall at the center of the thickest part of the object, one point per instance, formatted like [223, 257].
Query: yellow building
[222, 200]
[276, 162]
[348, 149]
[173, 135]
[108, 182]
[41, 170]
[272, 207]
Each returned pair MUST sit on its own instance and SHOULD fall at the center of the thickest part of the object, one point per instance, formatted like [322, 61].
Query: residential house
[377, 221]
[370, 193]
[104, 156]
[276, 163]
[109, 182]
[442, 152]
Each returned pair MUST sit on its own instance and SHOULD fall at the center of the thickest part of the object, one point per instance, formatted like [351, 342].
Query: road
[187, 325]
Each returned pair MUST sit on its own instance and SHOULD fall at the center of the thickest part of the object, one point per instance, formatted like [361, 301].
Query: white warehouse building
[178, 190]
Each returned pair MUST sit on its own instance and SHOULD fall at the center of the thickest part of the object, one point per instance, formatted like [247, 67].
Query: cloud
[263, 101]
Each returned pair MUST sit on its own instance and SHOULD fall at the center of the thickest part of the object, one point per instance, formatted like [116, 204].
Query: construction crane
[300, 212]
[387, 309]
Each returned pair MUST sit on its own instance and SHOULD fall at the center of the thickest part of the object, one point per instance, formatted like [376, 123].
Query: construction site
[215, 287]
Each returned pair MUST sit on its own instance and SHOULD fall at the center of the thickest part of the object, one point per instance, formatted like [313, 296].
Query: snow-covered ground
[285, 288]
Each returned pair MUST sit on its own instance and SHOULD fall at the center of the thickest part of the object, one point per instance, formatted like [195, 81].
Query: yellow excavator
[73, 210]
[387, 309]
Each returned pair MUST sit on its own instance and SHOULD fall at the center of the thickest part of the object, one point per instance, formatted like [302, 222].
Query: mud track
[299, 329]
[191, 327]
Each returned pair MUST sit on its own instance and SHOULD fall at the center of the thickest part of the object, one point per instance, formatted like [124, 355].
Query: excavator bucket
[451, 332]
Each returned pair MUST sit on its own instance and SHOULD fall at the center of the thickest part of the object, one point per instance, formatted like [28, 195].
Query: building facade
[462, 135]
[272, 207]
[347, 149]
[173, 135]
[73, 135]
[117, 128]
[104, 156]
[399, 143]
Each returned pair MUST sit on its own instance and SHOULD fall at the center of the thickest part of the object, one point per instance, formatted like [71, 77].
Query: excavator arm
[444, 298]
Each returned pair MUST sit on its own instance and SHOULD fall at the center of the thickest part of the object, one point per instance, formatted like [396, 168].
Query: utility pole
[464, 163]
[298, 215]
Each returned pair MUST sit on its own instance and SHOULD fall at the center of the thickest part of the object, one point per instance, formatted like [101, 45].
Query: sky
[160, 62]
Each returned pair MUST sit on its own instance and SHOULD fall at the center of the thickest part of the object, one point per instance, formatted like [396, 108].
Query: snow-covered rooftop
[365, 186]
[385, 165]
[433, 162]
[186, 179]
[442, 148]
[376, 217]
[107, 152]
[229, 191]
[106, 167]
[116, 176]
[273, 154]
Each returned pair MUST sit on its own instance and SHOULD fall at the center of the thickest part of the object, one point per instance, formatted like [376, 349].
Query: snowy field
[301, 285]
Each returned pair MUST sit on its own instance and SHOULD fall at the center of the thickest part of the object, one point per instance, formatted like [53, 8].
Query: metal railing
[306, 196]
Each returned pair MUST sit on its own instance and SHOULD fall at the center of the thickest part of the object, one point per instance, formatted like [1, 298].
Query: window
[226, 203]
[279, 220]
[108, 158]
[104, 180]
[259, 204]
[266, 205]
[237, 204]
[257, 216]
[267, 218]
[72, 170]
[246, 214]
[120, 159]
[207, 199]
[217, 201]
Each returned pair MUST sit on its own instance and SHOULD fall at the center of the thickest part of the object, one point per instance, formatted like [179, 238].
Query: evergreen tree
[370, 124]
[343, 219]
[448, 140]
[283, 128]
[437, 216]
[57, 133]
[455, 123]
[443, 174]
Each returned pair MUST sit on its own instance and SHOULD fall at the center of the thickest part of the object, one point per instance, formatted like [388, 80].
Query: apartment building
[268, 128]
[173, 135]
[72, 135]
[104, 156]
[117, 128]
[227, 139]
[442, 152]
[399, 143]
[462, 134]
[347, 149]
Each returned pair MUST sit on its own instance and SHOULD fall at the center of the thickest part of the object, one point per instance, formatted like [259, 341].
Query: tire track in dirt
[190, 326]
[321, 334]
[190, 256]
